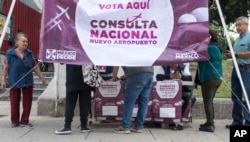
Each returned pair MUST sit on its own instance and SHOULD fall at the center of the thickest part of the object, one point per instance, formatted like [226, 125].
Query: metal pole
[232, 53]
[57, 90]
[7, 22]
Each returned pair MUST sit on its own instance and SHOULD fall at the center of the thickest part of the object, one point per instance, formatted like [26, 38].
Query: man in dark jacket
[75, 87]
[178, 71]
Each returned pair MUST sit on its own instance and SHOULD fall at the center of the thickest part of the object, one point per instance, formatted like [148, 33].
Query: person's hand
[122, 77]
[44, 81]
[176, 75]
[3, 85]
[114, 78]
[228, 54]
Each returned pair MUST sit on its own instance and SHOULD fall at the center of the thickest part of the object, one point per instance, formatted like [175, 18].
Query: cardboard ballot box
[167, 101]
[135, 110]
[108, 100]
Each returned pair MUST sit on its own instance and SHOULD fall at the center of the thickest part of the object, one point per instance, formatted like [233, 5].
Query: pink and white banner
[125, 32]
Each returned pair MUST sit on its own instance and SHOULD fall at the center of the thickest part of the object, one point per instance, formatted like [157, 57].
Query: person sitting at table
[178, 71]
[106, 72]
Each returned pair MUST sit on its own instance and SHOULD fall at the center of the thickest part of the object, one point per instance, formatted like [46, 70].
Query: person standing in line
[138, 85]
[210, 76]
[241, 50]
[18, 65]
[76, 88]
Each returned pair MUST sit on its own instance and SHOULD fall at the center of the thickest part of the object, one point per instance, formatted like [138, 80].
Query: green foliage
[231, 9]
[223, 44]
[224, 90]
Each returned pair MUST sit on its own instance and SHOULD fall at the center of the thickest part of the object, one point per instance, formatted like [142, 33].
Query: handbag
[196, 78]
[91, 76]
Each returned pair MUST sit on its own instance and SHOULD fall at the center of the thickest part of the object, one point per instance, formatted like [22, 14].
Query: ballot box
[167, 101]
[108, 100]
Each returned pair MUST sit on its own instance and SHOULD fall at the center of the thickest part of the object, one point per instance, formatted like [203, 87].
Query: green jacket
[211, 68]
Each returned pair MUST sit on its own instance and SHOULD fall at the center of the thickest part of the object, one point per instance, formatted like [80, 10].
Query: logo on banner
[60, 54]
[51, 54]
[113, 27]
[187, 55]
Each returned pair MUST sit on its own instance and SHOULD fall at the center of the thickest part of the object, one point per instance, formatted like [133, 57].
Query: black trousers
[186, 96]
[208, 90]
[84, 96]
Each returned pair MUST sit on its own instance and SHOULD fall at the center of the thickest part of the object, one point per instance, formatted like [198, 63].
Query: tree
[231, 9]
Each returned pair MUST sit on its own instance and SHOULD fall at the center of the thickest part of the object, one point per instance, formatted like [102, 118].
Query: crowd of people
[19, 64]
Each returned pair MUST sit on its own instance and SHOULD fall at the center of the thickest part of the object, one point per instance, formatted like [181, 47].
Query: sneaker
[26, 125]
[177, 127]
[63, 131]
[207, 124]
[122, 130]
[85, 129]
[137, 130]
[207, 128]
[104, 121]
[233, 124]
[14, 125]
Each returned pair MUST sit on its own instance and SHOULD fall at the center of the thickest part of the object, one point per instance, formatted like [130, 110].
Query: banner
[125, 32]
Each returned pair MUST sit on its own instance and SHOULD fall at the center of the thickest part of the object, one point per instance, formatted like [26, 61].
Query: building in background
[27, 19]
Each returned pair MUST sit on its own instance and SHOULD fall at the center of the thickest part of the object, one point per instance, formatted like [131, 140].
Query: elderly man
[241, 50]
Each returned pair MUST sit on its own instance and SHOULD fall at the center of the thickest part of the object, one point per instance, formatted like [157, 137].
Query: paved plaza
[44, 127]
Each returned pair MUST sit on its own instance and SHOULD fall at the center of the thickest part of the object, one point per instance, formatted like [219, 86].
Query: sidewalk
[44, 127]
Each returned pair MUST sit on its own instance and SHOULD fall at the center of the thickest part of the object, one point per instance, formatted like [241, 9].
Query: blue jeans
[239, 106]
[138, 87]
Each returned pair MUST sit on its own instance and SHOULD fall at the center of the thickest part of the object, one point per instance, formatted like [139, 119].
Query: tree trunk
[2, 4]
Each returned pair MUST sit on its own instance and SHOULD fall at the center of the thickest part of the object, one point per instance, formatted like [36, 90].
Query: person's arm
[238, 54]
[115, 72]
[39, 73]
[4, 75]
[242, 54]
[161, 75]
